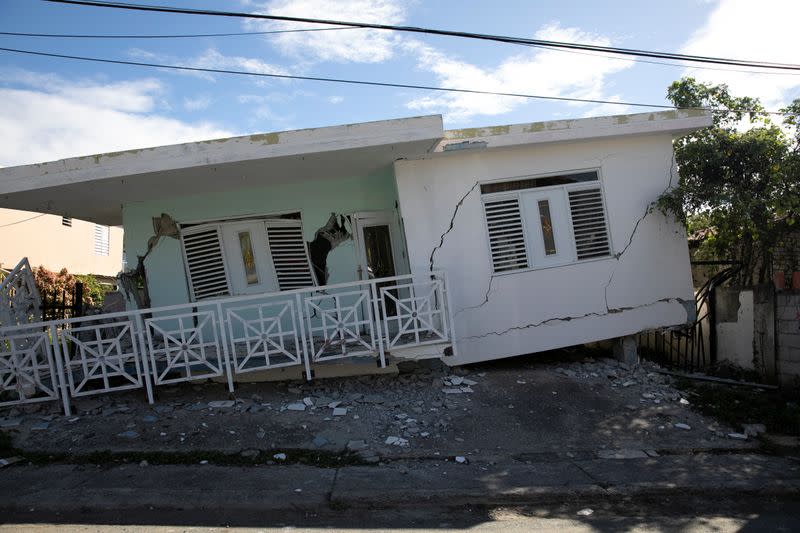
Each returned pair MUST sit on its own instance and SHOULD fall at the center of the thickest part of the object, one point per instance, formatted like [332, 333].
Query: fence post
[77, 300]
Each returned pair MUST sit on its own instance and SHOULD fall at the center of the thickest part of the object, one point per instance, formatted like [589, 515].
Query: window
[545, 221]
[66, 221]
[101, 239]
[270, 254]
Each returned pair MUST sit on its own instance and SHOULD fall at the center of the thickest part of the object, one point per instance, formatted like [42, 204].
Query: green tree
[738, 178]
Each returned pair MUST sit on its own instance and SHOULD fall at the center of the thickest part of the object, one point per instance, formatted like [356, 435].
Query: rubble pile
[654, 387]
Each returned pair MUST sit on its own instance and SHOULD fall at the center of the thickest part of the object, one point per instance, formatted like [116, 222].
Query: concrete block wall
[788, 326]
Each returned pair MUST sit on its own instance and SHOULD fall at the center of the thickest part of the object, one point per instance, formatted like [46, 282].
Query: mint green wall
[314, 199]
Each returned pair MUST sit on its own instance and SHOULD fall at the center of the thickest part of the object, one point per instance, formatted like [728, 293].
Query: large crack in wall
[688, 305]
[328, 237]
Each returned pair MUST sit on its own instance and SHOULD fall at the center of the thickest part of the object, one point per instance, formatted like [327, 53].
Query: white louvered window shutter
[205, 262]
[289, 254]
[506, 234]
[589, 223]
[101, 239]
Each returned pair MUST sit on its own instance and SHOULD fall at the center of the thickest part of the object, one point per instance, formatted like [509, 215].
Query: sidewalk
[89, 488]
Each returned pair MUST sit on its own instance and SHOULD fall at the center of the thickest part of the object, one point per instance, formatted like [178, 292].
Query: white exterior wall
[530, 311]
[45, 241]
[735, 334]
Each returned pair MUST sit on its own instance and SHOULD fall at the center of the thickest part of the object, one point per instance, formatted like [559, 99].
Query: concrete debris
[340, 411]
[143, 464]
[357, 445]
[279, 456]
[396, 441]
[10, 461]
[296, 407]
[40, 426]
[221, 404]
[319, 441]
[10, 422]
[460, 459]
[585, 512]
[681, 425]
[737, 436]
[754, 430]
[308, 401]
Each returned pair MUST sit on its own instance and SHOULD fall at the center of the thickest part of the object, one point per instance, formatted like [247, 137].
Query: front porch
[407, 316]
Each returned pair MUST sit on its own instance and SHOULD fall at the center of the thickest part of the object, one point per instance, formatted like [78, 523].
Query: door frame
[366, 219]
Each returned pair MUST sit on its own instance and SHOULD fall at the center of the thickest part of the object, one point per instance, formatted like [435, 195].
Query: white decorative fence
[63, 359]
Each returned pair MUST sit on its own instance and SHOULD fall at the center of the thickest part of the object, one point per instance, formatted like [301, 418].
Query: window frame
[567, 188]
[187, 228]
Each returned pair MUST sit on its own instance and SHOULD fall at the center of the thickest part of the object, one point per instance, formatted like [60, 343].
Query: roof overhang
[95, 187]
[674, 122]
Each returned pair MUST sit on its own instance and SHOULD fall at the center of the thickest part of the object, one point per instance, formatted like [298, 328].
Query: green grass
[778, 410]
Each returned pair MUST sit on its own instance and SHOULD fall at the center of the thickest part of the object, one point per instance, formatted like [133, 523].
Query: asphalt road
[717, 517]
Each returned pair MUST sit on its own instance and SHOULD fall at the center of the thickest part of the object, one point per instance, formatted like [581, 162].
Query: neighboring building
[387, 239]
[57, 242]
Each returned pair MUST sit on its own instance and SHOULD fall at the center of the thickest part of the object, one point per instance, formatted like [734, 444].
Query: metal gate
[694, 346]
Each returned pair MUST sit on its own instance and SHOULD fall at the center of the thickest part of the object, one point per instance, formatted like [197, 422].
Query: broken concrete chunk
[279, 456]
[10, 422]
[396, 441]
[340, 411]
[334, 405]
[681, 425]
[737, 436]
[357, 445]
[40, 426]
[221, 403]
[296, 407]
[308, 401]
[452, 391]
[466, 389]
[10, 461]
[754, 430]
[455, 380]
[460, 459]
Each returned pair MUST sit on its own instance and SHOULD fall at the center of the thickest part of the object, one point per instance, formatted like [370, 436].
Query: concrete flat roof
[95, 187]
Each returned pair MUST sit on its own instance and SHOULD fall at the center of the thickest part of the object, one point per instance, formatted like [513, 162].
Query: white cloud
[335, 99]
[340, 45]
[49, 118]
[536, 71]
[196, 104]
[209, 59]
[763, 32]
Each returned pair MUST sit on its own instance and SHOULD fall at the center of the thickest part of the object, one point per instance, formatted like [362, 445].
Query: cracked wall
[647, 285]
[314, 199]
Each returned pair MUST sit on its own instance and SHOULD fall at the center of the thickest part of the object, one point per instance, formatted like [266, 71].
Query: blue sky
[51, 108]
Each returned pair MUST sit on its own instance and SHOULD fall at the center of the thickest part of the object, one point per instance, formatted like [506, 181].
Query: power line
[433, 31]
[359, 82]
[239, 34]
[173, 36]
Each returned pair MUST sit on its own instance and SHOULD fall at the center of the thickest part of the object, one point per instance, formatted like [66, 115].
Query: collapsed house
[375, 241]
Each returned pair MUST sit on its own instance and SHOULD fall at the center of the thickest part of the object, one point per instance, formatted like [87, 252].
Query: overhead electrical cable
[165, 36]
[355, 82]
[249, 33]
[23, 220]
[433, 31]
